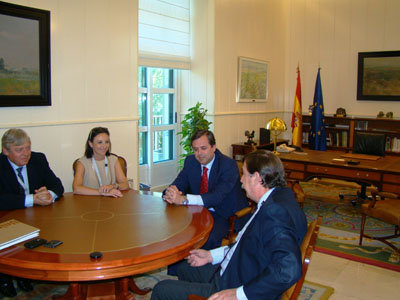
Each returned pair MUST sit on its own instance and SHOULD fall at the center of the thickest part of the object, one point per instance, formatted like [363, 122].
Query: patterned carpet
[44, 291]
[339, 234]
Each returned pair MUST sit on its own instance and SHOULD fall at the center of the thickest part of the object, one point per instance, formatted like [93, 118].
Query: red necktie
[204, 182]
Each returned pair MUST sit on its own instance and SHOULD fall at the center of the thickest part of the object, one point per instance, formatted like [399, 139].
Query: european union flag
[317, 136]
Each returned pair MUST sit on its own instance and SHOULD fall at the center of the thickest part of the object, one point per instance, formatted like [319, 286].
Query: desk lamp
[276, 126]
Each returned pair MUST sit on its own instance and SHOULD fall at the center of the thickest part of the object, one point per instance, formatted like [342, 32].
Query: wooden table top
[385, 164]
[135, 233]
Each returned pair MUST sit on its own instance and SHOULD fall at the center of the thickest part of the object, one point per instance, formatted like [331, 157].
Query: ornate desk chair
[307, 247]
[385, 207]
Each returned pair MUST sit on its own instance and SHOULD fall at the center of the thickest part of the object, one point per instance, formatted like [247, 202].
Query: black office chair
[369, 143]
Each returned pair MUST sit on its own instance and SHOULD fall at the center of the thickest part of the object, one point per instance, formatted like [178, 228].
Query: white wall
[94, 67]
[225, 30]
[330, 33]
[287, 33]
[93, 80]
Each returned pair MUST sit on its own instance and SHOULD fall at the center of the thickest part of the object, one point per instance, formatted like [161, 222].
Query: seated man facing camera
[25, 180]
[211, 179]
[265, 259]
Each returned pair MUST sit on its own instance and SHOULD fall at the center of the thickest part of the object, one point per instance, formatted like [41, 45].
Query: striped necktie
[19, 171]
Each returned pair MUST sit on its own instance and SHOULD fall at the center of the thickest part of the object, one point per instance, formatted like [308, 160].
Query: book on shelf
[345, 126]
[344, 139]
[13, 232]
[361, 125]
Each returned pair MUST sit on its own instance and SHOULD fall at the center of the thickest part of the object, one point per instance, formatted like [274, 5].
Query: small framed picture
[252, 80]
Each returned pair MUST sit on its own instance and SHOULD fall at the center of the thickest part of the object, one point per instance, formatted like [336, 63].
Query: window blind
[164, 33]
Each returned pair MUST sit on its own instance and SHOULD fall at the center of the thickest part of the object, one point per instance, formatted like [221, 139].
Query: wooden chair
[385, 207]
[307, 247]
[298, 191]
[122, 162]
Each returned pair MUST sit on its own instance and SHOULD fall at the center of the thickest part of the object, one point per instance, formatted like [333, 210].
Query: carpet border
[357, 258]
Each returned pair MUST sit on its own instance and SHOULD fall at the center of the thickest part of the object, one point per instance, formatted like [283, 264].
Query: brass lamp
[276, 126]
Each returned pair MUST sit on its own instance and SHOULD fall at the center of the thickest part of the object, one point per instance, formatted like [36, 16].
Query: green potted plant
[193, 121]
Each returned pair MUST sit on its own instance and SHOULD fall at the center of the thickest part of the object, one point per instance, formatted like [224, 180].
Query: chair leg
[383, 239]
[134, 288]
[363, 219]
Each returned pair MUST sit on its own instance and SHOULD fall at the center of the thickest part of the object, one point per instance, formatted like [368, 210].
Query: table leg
[118, 290]
[76, 291]
[122, 290]
[134, 288]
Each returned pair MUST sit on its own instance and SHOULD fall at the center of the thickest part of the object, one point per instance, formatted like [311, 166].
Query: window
[157, 124]
[164, 49]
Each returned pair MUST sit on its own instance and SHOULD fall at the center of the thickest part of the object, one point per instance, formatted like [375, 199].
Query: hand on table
[173, 195]
[42, 197]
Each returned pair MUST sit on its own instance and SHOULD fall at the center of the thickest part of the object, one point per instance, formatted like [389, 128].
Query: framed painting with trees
[24, 56]
[379, 76]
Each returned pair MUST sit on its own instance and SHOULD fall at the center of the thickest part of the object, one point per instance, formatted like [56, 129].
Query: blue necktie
[19, 170]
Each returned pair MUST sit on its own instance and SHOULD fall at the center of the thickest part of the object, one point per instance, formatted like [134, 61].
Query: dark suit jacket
[12, 195]
[225, 194]
[267, 260]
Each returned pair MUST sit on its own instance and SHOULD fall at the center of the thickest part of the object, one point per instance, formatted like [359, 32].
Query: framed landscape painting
[379, 76]
[252, 80]
[24, 56]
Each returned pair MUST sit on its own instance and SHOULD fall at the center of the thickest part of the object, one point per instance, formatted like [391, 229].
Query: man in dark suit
[211, 179]
[25, 180]
[265, 260]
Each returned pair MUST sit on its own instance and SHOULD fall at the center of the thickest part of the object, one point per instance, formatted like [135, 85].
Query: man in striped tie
[25, 180]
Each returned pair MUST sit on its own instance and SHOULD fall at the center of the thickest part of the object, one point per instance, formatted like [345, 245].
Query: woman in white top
[98, 172]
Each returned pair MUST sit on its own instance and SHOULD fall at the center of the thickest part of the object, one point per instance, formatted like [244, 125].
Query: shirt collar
[15, 167]
[209, 165]
[264, 197]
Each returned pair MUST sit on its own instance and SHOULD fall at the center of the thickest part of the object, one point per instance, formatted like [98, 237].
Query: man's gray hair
[14, 136]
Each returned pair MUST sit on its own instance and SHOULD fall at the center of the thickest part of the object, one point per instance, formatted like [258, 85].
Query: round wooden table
[136, 233]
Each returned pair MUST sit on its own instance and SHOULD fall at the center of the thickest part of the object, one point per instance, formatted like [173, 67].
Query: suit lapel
[11, 174]
[213, 171]
[31, 176]
[263, 206]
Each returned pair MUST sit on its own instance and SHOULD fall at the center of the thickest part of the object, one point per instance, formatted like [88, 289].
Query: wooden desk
[136, 233]
[239, 150]
[383, 173]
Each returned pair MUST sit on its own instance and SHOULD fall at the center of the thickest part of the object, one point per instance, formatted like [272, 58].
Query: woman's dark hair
[92, 134]
[199, 133]
[268, 165]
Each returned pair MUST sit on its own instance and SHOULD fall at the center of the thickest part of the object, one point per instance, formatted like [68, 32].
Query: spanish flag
[297, 121]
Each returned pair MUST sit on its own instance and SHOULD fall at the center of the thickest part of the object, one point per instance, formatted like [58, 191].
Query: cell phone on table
[53, 243]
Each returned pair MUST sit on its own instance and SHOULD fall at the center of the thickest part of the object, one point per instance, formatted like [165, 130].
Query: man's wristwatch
[116, 186]
[185, 201]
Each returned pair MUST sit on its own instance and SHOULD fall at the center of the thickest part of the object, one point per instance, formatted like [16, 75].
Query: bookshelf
[340, 131]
